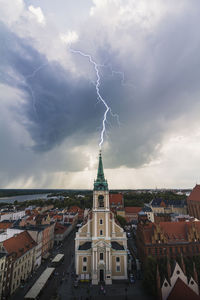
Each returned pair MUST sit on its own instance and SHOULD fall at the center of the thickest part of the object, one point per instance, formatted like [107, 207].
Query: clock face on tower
[101, 200]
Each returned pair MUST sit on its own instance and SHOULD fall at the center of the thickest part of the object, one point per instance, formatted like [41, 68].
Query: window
[118, 269]
[101, 202]
[101, 232]
[85, 259]
[101, 221]
[117, 259]
[84, 268]
[101, 256]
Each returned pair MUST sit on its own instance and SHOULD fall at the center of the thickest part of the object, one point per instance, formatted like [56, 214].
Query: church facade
[101, 244]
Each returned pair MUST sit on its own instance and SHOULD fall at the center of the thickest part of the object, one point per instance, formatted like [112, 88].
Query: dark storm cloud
[161, 84]
[57, 105]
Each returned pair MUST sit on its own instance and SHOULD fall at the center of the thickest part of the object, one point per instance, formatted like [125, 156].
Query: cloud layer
[50, 117]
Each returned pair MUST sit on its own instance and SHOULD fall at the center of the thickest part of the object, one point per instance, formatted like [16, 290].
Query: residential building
[22, 247]
[2, 270]
[76, 210]
[116, 201]
[7, 279]
[8, 233]
[61, 232]
[47, 239]
[14, 215]
[5, 224]
[101, 244]
[131, 213]
[149, 212]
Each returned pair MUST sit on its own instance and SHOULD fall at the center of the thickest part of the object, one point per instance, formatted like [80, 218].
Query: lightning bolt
[97, 85]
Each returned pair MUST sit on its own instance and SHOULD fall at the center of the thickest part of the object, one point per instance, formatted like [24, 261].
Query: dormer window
[101, 200]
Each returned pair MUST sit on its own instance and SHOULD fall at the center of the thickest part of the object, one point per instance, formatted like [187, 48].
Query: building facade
[169, 206]
[2, 270]
[101, 244]
[170, 239]
[22, 247]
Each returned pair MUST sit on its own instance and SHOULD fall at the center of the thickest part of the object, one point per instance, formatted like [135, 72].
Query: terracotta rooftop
[182, 291]
[20, 244]
[173, 231]
[58, 217]
[75, 208]
[59, 228]
[5, 225]
[132, 209]
[116, 199]
[195, 194]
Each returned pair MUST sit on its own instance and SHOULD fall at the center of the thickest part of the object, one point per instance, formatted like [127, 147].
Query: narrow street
[51, 289]
[61, 284]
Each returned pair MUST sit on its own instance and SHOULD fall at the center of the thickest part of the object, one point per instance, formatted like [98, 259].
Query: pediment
[101, 244]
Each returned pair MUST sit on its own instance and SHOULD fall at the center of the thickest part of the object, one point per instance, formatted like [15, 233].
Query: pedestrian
[104, 292]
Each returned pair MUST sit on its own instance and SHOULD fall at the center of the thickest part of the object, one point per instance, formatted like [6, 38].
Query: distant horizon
[55, 189]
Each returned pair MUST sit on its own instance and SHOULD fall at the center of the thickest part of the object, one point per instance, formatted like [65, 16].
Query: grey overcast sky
[148, 56]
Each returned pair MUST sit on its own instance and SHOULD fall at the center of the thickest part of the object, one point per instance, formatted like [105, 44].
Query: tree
[121, 220]
[149, 279]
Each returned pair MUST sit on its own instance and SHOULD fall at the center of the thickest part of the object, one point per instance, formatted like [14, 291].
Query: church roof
[85, 246]
[100, 183]
[182, 291]
[195, 194]
[116, 246]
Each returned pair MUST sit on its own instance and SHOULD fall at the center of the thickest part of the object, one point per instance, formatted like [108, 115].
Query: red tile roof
[173, 231]
[5, 225]
[59, 228]
[20, 244]
[182, 291]
[132, 209]
[75, 209]
[116, 199]
[58, 217]
[195, 194]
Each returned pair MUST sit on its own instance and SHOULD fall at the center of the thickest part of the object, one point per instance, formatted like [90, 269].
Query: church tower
[101, 244]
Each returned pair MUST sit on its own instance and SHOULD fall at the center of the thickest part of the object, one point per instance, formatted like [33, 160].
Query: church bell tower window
[101, 200]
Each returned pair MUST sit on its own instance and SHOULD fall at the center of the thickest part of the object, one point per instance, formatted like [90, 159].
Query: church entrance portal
[101, 275]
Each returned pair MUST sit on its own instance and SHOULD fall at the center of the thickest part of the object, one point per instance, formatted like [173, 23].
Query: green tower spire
[100, 184]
